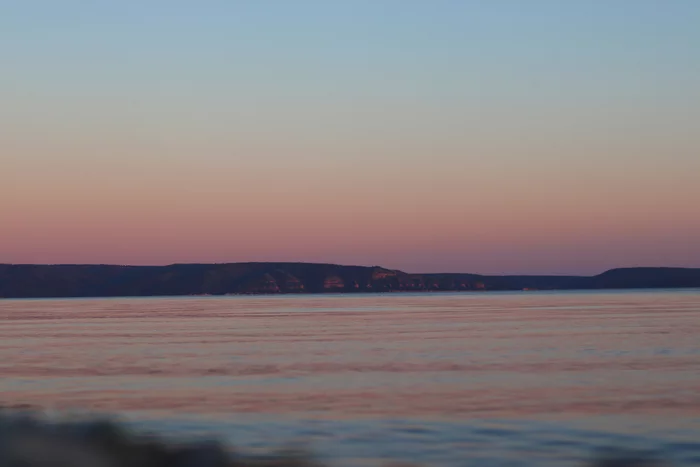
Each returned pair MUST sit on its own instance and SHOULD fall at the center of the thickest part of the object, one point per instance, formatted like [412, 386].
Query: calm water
[503, 379]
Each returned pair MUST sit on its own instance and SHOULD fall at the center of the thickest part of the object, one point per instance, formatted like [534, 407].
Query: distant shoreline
[95, 281]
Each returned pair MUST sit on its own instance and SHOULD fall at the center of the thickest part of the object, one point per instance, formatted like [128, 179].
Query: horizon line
[334, 264]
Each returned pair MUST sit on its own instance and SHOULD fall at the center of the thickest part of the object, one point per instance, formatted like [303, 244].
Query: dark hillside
[39, 281]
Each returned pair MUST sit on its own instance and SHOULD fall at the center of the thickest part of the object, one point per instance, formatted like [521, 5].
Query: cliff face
[39, 281]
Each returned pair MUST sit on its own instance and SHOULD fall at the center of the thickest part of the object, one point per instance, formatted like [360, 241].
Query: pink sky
[525, 220]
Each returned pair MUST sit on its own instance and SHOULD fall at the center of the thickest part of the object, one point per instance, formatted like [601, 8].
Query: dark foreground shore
[39, 441]
[35, 441]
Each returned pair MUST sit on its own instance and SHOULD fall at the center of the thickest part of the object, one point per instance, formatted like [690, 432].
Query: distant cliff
[43, 281]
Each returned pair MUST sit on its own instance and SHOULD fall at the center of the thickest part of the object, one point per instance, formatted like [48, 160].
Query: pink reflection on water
[482, 355]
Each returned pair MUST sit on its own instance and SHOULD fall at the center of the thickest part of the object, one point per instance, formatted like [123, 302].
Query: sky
[430, 136]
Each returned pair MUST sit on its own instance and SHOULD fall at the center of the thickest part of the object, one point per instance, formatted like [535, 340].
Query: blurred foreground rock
[34, 442]
[27, 441]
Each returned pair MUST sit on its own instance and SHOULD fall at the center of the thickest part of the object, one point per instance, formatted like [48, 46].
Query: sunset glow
[499, 140]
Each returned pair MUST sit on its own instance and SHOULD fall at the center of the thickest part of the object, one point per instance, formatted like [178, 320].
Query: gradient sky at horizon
[429, 136]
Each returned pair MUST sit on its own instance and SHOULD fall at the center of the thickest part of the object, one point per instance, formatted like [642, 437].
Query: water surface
[509, 378]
